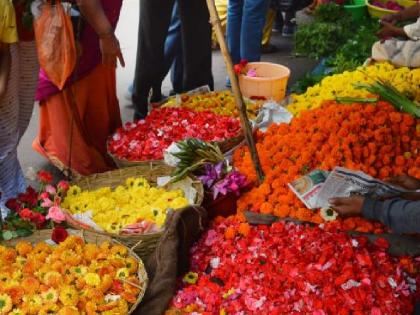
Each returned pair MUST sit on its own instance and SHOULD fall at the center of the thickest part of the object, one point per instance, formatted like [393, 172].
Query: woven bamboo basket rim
[95, 238]
[116, 177]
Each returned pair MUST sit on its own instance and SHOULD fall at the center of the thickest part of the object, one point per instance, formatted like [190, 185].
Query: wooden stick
[131, 283]
[240, 104]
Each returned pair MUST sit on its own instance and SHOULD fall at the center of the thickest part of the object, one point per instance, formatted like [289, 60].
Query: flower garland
[375, 139]
[136, 207]
[292, 269]
[147, 139]
[71, 278]
[341, 85]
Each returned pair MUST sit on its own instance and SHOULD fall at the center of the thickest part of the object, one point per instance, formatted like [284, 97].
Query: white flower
[168, 155]
[30, 174]
[328, 214]
[215, 262]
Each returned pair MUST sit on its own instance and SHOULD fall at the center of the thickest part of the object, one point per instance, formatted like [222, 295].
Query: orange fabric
[98, 117]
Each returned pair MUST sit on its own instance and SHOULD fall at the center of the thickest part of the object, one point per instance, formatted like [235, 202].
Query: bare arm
[410, 13]
[93, 12]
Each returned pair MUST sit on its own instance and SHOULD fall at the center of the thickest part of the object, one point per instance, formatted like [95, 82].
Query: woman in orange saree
[76, 122]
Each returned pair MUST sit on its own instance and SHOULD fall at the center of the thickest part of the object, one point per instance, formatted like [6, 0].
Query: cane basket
[142, 244]
[94, 238]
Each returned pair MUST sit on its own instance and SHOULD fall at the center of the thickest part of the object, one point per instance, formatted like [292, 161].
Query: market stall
[212, 213]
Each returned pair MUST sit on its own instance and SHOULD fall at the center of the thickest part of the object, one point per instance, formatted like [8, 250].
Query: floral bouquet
[205, 160]
[34, 210]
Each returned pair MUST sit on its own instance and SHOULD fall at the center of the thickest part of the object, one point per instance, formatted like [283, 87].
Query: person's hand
[405, 181]
[348, 206]
[111, 51]
[390, 18]
[389, 30]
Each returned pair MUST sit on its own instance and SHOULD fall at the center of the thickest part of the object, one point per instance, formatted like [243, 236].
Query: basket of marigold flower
[129, 205]
[143, 142]
[70, 272]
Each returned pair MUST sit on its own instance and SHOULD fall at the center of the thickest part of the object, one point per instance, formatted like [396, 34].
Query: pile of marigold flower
[375, 139]
[147, 139]
[221, 103]
[136, 207]
[71, 278]
[341, 85]
[293, 269]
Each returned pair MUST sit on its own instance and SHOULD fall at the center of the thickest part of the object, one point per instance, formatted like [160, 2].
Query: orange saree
[75, 123]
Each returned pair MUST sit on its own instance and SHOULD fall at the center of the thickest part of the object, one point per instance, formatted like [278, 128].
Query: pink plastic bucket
[270, 82]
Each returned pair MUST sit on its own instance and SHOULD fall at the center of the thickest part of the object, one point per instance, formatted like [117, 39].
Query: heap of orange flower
[372, 138]
[71, 278]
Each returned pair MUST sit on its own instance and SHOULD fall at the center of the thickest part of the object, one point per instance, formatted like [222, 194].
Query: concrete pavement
[127, 34]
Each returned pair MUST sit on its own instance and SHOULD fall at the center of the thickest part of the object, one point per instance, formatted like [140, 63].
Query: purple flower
[232, 183]
[212, 173]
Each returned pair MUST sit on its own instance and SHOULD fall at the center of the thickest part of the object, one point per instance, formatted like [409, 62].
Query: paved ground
[127, 33]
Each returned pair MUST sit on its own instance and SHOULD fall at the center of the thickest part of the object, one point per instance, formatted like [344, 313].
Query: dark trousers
[155, 17]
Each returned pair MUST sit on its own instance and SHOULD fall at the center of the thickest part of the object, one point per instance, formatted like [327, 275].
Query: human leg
[253, 21]
[11, 177]
[289, 24]
[28, 81]
[173, 51]
[234, 28]
[196, 43]
[154, 22]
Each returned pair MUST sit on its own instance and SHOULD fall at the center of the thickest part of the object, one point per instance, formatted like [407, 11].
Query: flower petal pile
[147, 139]
[221, 103]
[292, 269]
[341, 85]
[375, 139]
[136, 207]
[71, 278]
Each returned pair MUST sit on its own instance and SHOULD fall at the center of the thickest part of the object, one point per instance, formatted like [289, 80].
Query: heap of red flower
[147, 139]
[293, 269]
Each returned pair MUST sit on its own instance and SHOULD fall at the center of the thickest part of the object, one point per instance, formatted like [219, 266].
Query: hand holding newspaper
[316, 188]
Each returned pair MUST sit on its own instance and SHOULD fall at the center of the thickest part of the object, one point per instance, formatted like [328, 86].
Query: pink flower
[44, 195]
[56, 214]
[63, 185]
[50, 189]
[252, 73]
[46, 203]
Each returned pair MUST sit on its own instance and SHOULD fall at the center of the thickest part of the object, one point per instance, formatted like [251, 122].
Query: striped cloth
[15, 113]
[401, 52]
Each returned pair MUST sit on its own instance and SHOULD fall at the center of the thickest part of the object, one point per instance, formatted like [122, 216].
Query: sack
[171, 258]
[55, 43]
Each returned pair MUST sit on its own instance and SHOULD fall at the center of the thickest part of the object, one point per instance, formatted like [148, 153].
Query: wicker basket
[143, 244]
[95, 238]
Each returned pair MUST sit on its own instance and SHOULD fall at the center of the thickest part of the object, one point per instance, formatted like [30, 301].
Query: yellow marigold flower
[92, 279]
[49, 309]
[17, 311]
[5, 303]
[74, 191]
[190, 278]
[122, 273]
[68, 310]
[68, 296]
[50, 296]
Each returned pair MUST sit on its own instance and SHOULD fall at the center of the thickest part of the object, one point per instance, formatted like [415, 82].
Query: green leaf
[7, 235]
[23, 232]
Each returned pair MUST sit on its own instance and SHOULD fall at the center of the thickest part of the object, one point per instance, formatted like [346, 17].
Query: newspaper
[316, 188]
[308, 187]
[345, 183]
